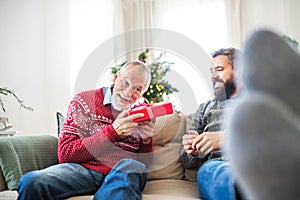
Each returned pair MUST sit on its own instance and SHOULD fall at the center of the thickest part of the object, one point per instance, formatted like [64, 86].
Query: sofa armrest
[21, 154]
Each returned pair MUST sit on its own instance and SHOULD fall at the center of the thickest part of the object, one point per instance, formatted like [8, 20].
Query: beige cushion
[160, 189]
[169, 128]
[9, 195]
[166, 163]
[170, 189]
[166, 143]
[191, 174]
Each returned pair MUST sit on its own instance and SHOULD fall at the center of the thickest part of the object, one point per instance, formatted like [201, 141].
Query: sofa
[167, 178]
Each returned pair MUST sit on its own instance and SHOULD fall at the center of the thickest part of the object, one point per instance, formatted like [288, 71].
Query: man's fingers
[192, 132]
[202, 143]
[198, 139]
[188, 137]
[146, 129]
[204, 147]
[210, 149]
[187, 142]
[123, 114]
[189, 151]
[135, 116]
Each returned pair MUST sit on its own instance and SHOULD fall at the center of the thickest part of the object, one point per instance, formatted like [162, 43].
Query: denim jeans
[215, 181]
[125, 181]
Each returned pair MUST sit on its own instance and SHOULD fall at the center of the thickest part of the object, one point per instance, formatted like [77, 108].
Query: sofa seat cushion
[166, 189]
[13, 195]
[9, 195]
[170, 189]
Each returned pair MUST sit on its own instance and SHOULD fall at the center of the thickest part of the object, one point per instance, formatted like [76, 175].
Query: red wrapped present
[152, 111]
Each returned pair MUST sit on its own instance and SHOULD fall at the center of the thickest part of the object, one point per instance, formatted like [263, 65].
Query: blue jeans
[125, 181]
[215, 181]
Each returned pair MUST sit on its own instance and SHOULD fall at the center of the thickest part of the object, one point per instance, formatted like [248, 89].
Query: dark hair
[231, 53]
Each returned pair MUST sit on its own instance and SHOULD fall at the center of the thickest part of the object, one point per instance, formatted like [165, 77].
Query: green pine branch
[5, 91]
[293, 43]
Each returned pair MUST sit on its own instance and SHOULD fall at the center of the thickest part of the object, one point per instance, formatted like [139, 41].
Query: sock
[263, 137]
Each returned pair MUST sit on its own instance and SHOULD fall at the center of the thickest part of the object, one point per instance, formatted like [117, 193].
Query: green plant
[159, 86]
[293, 43]
[5, 91]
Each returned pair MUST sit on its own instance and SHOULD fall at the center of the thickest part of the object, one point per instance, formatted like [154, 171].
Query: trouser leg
[59, 182]
[125, 181]
[215, 181]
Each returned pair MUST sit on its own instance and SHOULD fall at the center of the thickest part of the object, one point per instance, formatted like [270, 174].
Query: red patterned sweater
[88, 137]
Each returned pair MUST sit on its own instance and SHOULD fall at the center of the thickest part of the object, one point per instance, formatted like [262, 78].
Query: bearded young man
[202, 146]
[100, 146]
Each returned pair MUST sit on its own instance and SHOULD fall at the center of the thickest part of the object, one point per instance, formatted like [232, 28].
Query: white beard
[115, 105]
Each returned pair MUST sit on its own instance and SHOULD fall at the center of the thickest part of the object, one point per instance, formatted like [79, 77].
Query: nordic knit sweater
[88, 137]
[209, 117]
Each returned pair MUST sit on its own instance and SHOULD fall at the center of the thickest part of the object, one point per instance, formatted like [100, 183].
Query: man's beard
[117, 105]
[225, 91]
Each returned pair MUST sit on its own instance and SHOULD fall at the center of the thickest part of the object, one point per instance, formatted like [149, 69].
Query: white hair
[141, 64]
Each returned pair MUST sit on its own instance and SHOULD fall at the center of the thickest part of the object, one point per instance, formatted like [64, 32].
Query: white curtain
[131, 15]
[138, 13]
[203, 21]
[235, 15]
[244, 17]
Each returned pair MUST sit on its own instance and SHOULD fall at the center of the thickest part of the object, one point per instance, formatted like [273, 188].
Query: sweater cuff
[111, 133]
[145, 148]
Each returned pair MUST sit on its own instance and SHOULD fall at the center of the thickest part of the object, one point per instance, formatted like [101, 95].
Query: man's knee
[29, 181]
[130, 165]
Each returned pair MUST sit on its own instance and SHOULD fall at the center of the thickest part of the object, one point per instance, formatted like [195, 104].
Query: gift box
[152, 111]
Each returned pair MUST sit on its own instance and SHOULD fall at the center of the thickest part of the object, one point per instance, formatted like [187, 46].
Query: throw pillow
[60, 121]
[3, 185]
[166, 144]
[21, 154]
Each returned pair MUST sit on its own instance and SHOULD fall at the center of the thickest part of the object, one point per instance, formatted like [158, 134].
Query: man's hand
[146, 129]
[124, 124]
[187, 141]
[207, 142]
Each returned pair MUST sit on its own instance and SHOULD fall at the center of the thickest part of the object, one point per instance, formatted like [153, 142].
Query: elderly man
[202, 145]
[101, 150]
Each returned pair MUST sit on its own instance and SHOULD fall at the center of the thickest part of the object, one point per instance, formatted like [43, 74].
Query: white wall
[34, 61]
[43, 45]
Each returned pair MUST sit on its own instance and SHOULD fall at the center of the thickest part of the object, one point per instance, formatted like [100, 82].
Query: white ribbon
[150, 113]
